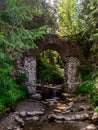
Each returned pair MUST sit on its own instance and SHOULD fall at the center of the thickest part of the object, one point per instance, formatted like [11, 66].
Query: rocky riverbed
[71, 113]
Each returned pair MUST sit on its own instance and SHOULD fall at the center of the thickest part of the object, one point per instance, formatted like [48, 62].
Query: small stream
[31, 125]
[67, 113]
[44, 124]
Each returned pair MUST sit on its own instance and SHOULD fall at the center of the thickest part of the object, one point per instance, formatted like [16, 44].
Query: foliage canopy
[14, 38]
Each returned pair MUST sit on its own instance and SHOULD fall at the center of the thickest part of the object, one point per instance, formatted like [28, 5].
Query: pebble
[35, 118]
[57, 111]
[22, 114]
[35, 113]
[19, 120]
[95, 116]
[18, 129]
[58, 121]
[91, 127]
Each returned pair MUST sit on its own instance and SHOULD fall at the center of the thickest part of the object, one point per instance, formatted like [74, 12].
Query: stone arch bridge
[69, 54]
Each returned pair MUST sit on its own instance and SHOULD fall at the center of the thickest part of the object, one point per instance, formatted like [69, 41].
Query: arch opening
[50, 68]
[50, 73]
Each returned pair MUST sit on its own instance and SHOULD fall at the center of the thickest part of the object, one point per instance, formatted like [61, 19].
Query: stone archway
[68, 53]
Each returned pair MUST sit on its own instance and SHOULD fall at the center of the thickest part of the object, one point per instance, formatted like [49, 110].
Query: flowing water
[31, 125]
[44, 124]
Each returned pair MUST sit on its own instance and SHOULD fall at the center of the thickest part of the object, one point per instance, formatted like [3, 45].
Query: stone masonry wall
[65, 75]
[30, 70]
[73, 76]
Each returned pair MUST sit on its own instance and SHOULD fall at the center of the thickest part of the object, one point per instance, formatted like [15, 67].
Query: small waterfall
[54, 94]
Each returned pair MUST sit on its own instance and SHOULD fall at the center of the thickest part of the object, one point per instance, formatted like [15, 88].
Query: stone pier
[30, 69]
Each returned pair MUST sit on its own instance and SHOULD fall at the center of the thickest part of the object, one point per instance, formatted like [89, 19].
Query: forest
[23, 22]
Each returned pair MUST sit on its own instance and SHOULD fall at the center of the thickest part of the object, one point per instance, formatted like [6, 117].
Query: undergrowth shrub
[21, 78]
[85, 71]
[48, 73]
[86, 87]
[10, 90]
[88, 83]
[96, 109]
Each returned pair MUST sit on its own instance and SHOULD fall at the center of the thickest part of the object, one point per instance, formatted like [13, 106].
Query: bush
[1, 105]
[10, 91]
[86, 87]
[85, 71]
[47, 73]
[10, 94]
[88, 83]
[96, 109]
[21, 78]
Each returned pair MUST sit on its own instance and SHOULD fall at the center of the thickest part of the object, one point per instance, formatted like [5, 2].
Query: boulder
[22, 114]
[16, 113]
[83, 116]
[65, 111]
[66, 95]
[19, 120]
[91, 127]
[58, 121]
[35, 118]
[95, 116]
[33, 113]
[68, 118]
[54, 116]
[57, 111]
[36, 96]
[10, 128]
[18, 129]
